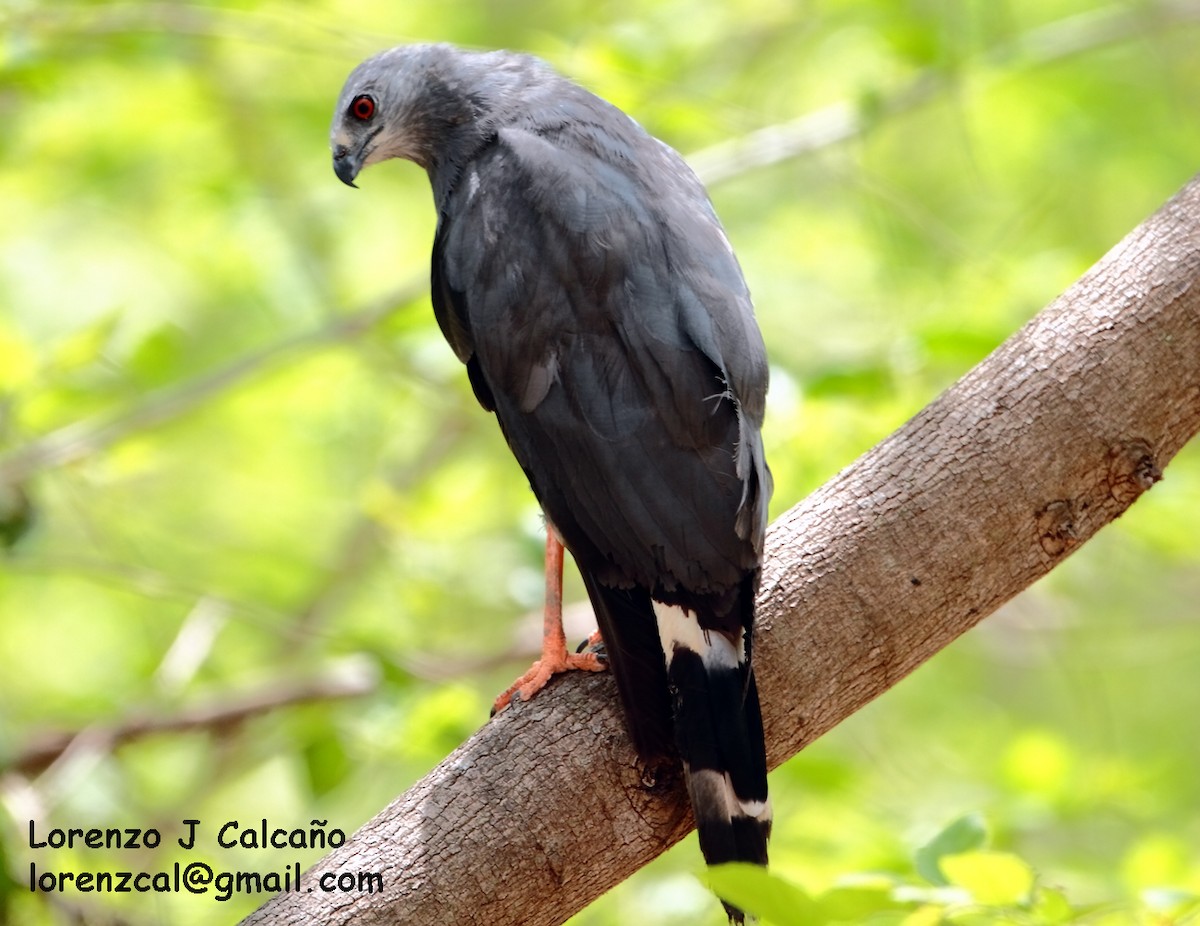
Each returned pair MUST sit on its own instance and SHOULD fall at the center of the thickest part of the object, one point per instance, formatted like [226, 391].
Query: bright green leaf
[83, 346]
[765, 895]
[928, 915]
[1050, 905]
[327, 763]
[858, 901]
[963, 835]
[993, 878]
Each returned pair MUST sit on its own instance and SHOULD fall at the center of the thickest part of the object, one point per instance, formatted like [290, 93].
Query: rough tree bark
[987, 489]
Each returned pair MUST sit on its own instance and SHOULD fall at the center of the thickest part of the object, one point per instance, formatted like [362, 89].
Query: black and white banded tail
[719, 734]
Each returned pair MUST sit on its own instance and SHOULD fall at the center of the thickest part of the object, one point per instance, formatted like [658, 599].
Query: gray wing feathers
[613, 345]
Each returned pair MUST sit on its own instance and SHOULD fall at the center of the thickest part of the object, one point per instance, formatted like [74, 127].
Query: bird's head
[408, 102]
[381, 112]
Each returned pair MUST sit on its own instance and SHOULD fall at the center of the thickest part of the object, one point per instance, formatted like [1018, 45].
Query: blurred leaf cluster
[262, 556]
[959, 881]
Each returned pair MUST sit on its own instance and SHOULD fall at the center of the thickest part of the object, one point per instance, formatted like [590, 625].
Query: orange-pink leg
[555, 657]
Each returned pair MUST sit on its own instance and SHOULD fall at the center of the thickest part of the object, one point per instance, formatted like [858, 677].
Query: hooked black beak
[346, 165]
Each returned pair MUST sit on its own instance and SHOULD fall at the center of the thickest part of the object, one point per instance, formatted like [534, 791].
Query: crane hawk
[581, 274]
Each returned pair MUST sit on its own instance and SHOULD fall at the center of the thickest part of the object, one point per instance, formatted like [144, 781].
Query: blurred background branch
[348, 679]
[74, 442]
[847, 120]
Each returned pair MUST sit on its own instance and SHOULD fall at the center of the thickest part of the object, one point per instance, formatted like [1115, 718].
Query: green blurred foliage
[236, 457]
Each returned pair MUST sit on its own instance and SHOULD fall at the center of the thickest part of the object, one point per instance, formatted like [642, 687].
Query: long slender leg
[555, 657]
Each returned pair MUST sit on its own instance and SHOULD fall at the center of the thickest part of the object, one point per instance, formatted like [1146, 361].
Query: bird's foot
[540, 673]
[555, 657]
[593, 644]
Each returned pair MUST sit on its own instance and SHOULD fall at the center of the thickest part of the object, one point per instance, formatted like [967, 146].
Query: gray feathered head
[426, 103]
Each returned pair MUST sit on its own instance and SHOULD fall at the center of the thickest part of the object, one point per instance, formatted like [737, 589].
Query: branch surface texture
[986, 490]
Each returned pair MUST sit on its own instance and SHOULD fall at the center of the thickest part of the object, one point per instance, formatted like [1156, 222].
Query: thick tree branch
[987, 489]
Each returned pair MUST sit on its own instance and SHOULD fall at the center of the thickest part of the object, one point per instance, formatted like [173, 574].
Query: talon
[594, 642]
[540, 673]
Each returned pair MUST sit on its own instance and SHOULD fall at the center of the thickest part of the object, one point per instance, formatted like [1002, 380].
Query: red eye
[362, 107]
